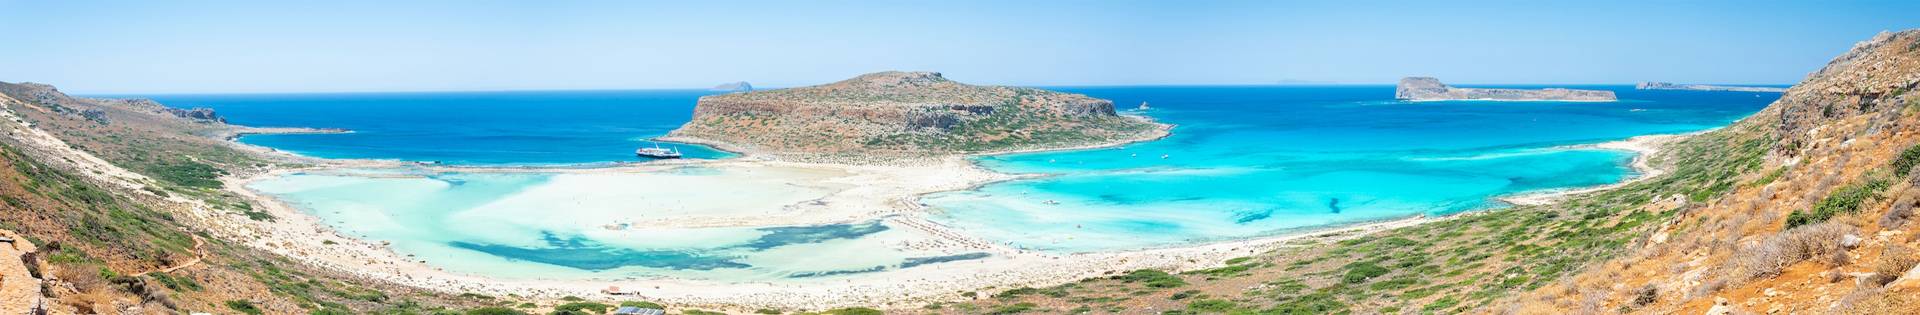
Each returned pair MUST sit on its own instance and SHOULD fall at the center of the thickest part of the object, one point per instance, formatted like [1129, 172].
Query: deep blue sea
[1243, 161]
[464, 127]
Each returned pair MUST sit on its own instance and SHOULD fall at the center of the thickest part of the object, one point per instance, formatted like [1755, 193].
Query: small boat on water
[658, 152]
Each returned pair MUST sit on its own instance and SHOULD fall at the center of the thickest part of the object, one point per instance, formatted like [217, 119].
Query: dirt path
[199, 252]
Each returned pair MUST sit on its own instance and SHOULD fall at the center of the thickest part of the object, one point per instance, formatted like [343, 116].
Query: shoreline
[894, 288]
[1644, 147]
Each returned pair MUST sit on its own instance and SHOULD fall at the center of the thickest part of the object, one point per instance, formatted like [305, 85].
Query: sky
[340, 46]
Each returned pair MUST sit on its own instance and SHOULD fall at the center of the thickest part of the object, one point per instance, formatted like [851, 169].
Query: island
[906, 114]
[1705, 87]
[741, 86]
[1430, 89]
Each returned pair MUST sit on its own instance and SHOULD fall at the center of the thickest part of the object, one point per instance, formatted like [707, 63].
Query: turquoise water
[1252, 161]
[1243, 162]
[570, 226]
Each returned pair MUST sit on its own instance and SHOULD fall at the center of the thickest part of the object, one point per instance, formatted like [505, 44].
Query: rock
[1720, 307]
[1704, 87]
[741, 86]
[1907, 281]
[909, 114]
[1860, 82]
[1850, 241]
[1430, 89]
[201, 114]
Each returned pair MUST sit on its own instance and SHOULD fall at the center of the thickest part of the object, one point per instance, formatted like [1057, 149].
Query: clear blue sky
[318, 46]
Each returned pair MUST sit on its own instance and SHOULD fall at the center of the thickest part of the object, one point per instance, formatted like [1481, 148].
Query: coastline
[1644, 147]
[301, 236]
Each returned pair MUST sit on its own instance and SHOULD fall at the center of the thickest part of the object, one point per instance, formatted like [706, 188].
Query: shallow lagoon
[1243, 162]
[569, 225]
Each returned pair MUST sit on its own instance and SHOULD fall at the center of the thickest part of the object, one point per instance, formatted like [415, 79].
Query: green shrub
[495, 310]
[854, 311]
[1844, 200]
[1361, 271]
[1212, 305]
[583, 306]
[1022, 307]
[243, 306]
[1153, 278]
[1904, 164]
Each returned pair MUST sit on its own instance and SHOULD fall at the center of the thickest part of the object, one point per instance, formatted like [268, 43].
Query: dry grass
[1766, 258]
[1894, 261]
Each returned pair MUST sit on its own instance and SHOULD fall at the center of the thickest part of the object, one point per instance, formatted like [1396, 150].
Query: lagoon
[1243, 162]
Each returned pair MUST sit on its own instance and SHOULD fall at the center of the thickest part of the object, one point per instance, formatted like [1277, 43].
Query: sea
[1242, 162]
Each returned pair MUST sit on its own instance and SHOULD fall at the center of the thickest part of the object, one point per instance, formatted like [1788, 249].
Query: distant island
[1704, 87]
[741, 86]
[907, 114]
[1430, 89]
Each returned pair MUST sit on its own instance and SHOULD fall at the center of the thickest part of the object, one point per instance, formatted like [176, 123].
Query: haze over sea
[1243, 161]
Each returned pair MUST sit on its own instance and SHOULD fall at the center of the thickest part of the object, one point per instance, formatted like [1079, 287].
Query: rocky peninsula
[906, 115]
[1430, 89]
[1705, 87]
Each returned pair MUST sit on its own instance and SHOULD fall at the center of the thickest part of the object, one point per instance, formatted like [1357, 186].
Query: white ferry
[658, 152]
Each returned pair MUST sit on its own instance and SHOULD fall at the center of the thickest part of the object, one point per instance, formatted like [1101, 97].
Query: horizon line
[124, 93]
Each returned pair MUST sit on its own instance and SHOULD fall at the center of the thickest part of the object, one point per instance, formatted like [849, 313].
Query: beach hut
[636, 310]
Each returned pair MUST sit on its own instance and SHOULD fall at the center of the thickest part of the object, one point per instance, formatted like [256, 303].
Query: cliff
[1430, 89]
[906, 114]
[1704, 87]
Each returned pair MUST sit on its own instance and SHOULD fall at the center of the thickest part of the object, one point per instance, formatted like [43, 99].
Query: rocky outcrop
[200, 114]
[906, 114]
[1874, 79]
[1704, 87]
[1430, 89]
[741, 86]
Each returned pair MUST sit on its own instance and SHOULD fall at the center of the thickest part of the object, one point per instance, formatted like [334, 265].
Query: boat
[658, 152]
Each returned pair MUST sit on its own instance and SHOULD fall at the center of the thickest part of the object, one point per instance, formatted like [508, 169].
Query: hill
[906, 114]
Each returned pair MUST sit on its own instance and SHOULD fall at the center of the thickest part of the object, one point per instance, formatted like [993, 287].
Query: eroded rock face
[905, 113]
[1430, 89]
[1874, 79]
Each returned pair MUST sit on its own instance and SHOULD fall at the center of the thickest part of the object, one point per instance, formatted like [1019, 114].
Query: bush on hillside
[1766, 258]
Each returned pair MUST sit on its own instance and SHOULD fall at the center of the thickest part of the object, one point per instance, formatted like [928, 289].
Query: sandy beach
[856, 193]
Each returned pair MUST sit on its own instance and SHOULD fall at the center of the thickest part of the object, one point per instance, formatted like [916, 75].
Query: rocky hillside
[113, 194]
[906, 114]
[1430, 89]
[1822, 224]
